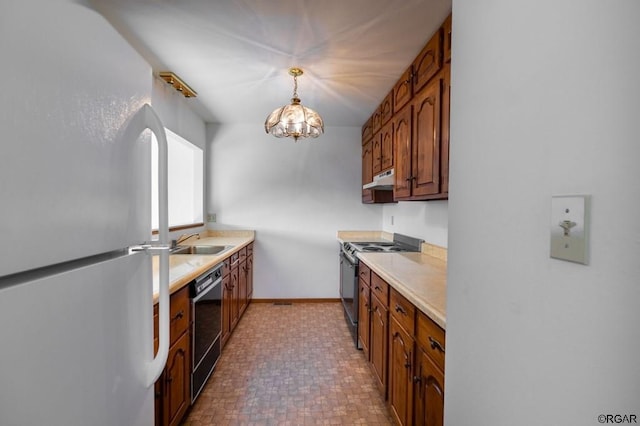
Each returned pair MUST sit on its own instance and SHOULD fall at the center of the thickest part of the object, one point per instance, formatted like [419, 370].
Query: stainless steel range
[349, 271]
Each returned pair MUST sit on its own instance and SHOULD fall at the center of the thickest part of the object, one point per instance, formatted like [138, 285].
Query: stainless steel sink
[200, 249]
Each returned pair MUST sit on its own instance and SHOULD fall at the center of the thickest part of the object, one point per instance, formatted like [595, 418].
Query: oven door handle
[204, 293]
[351, 260]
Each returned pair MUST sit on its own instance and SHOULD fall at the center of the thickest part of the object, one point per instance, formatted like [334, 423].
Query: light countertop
[420, 277]
[183, 268]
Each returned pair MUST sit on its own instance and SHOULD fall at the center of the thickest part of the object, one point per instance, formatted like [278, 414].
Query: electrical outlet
[211, 217]
[570, 227]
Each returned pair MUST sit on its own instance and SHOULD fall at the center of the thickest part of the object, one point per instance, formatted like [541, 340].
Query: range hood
[382, 181]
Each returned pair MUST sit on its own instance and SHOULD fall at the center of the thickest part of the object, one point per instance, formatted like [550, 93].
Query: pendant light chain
[295, 86]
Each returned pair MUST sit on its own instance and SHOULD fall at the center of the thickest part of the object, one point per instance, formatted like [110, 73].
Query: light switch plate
[570, 227]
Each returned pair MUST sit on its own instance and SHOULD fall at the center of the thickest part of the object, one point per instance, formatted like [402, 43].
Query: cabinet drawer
[403, 311]
[364, 272]
[431, 338]
[179, 314]
[380, 288]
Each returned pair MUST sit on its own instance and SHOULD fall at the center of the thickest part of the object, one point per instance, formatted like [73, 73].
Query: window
[186, 192]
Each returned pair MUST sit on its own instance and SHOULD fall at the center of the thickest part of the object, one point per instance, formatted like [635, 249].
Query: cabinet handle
[377, 288]
[435, 344]
[179, 315]
[169, 379]
[407, 364]
[402, 311]
[417, 379]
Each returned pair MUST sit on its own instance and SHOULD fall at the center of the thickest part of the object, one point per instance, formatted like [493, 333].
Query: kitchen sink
[200, 249]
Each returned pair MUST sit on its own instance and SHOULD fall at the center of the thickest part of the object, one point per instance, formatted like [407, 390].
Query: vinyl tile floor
[290, 365]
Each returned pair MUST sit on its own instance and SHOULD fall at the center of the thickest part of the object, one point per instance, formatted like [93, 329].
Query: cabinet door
[242, 287]
[364, 316]
[426, 141]
[376, 120]
[249, 277]
[227, 300]
[428, 62]
[177, 375]
[429, 393]
[446, 28]
[444, 130]
[403, 91]
[378, 342]
[367, 130]
[377, 153]
[400, 374]
[386, 146]
[402, 142]
[367, 170]
[235, 298]
[386, 108]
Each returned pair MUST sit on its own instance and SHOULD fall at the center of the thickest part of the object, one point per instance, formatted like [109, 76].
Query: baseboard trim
[287, 301]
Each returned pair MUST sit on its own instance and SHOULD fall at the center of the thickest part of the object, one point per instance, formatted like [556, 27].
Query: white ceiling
[235, 53]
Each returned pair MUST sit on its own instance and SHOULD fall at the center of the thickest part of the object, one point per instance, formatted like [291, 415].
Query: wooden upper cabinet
[376, 120]
[444, 130]
[403, 90]
[446, 28]
[376, 149]
[428, 62]
[402, 143]
[367, 130]
[425, 174]
[367, 170]
[386, 147]
[386, 108]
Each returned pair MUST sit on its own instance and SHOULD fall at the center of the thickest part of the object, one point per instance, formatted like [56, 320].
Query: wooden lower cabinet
[249, 277]
[173, 387]
[401, 349]
[177, 380]
[237, 289]
[243, 301]
[428, 392]
[406, 351]
[364, 316]
[379, 342]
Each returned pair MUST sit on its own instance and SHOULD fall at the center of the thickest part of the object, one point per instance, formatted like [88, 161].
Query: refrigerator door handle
[146, 118]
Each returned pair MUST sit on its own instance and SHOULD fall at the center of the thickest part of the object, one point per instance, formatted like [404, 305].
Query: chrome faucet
[184, 237]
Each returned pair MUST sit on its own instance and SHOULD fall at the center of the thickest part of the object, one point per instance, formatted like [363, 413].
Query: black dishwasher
[206, 311]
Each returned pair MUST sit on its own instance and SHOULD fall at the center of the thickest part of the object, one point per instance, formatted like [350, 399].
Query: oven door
[349, 292]
[206, 309]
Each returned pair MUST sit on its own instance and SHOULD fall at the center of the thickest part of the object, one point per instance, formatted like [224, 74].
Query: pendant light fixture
[294, 120]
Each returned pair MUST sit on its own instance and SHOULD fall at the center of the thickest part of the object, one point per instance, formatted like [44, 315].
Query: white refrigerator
[76, 305]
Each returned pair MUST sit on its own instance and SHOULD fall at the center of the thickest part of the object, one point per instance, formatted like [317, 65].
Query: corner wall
[544, 102]
[296, 196]
[428, 220]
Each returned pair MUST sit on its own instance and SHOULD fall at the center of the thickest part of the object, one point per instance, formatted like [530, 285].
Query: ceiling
[236, 53]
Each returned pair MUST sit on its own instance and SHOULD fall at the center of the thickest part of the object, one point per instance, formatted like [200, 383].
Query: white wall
[177, 115]
[296, 196]
[545, 100]
[428, 220]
